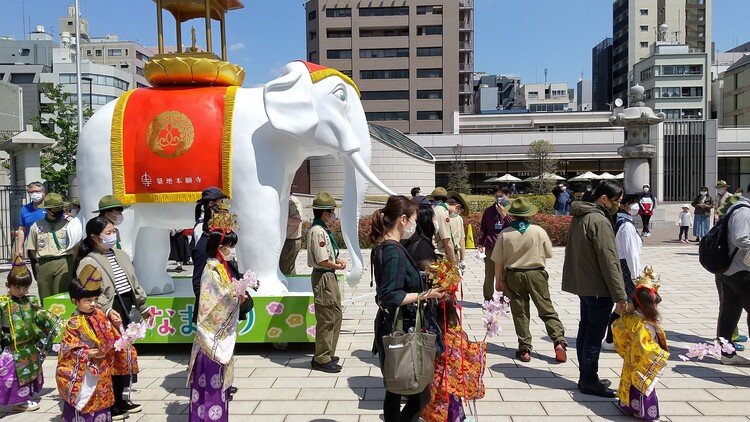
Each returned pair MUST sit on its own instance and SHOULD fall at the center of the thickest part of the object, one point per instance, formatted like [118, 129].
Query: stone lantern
[637, 151]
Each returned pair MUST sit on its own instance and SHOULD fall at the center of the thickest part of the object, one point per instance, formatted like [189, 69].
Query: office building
[545, 97]
[583, 95]
[635, 27]
[68, 24]
[412, 60]
[736, 94]
[128, 56]
[601, 75]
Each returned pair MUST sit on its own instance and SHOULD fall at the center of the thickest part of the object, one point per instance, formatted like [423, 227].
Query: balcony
[466, 88]
[465, 4]
[466, 26]
[465, 67]
[465, 45]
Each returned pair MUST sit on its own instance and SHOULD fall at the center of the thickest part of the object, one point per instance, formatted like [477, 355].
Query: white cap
[685, 206]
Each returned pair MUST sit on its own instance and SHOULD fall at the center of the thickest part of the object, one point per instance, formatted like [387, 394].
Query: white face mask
[721, 191]
[231, 256]
[634, 209]
[36, 196]
[563, 188]
[117, 219]
[646, 189]
[109, 240]
[704, 192]
[409, 230]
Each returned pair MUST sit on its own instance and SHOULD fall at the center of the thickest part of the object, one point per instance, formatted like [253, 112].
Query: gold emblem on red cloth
[170, 134]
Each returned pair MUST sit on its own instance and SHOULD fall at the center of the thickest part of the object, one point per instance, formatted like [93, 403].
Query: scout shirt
[442, 227]
[294, 211]
[522, 246]
[457, 230]
[48, 239]
[321, 245]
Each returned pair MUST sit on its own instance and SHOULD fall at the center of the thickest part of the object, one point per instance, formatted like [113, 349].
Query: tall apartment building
[128, 56]
[635, 26]
[68, 24]
[601, 75]
[736, 94]
[413, 60]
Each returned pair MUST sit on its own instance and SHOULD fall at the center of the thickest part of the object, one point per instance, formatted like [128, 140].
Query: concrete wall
[397, 170]
[11, 110]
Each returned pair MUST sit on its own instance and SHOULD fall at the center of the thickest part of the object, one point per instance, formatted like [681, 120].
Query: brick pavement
[278, 385]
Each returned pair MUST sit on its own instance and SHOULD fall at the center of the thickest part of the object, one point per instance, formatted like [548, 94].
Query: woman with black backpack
[399, 285]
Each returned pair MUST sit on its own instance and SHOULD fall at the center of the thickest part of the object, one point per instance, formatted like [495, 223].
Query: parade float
[157, 148]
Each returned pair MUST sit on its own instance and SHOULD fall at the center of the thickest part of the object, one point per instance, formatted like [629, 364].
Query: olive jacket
[108, 296]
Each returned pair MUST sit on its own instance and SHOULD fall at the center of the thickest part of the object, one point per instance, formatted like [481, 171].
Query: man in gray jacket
[735, 283]
[592, 271]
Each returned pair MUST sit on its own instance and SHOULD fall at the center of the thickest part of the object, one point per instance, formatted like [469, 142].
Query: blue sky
[518, 37]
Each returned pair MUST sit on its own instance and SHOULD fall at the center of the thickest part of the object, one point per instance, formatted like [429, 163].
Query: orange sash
[168, 144]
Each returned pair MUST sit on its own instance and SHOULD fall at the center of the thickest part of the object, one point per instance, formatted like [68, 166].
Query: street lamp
[90, 81]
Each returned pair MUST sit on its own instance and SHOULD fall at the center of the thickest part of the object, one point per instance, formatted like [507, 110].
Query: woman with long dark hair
[121, 298]
[419, 245]
[399, 285]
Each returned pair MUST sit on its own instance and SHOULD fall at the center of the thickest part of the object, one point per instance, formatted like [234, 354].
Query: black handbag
[134, 315]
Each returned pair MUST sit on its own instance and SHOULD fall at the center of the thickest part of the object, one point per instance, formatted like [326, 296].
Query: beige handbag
[409, 357]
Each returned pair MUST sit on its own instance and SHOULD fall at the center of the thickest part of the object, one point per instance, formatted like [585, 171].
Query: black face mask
[55, 215]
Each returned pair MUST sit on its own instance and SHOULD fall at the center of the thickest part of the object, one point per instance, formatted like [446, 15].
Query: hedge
[545, 203]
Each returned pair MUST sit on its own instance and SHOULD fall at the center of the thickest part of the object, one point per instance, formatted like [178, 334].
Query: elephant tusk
[364, 170]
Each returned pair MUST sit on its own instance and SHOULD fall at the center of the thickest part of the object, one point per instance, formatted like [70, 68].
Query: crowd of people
[602, 266]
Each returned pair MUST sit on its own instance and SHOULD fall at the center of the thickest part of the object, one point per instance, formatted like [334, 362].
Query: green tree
[539, 161]
[59, 160]
[458, 177]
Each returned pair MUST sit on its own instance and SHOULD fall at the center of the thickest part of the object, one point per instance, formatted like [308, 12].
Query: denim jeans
[595, 314]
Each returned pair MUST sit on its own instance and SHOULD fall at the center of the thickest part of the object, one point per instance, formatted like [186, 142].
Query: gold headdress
[648, 280]
[19, 268]
[223, 222]
[90, 278]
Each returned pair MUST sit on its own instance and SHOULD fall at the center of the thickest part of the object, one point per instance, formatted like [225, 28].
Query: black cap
[211, 194]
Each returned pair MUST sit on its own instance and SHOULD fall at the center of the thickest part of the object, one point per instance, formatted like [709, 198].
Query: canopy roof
[184, 10]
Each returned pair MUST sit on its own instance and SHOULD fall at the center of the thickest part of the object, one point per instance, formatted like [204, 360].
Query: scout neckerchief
[54, 232]
[320, 223]
[117, 242]
[445, 207]
[521, 225]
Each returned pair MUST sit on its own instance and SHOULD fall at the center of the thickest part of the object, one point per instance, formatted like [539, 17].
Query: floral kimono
[26, 337]
[85, 383]
[458, 375]
[211, 361]
[643, 347]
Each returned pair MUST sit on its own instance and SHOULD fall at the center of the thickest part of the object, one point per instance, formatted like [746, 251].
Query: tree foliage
[540, 161]
[59, 160]
[458, 176]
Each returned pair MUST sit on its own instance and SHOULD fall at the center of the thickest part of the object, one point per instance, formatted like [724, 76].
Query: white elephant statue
[275, 128]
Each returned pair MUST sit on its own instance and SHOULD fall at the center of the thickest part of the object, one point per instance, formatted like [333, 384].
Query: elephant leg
[151, 256]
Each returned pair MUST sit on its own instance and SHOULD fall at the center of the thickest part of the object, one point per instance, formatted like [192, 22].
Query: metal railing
[465, 45]
[465, 4]
[11, 200]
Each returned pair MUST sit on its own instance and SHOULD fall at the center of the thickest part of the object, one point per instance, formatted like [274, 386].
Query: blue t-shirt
[30, 215]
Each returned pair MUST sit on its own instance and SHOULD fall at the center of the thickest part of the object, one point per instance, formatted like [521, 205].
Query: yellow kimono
[643, 347]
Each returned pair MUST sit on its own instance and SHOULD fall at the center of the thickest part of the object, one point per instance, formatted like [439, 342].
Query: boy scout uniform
[293, 242]
[48, 242]
[457, 233]
[321, 246]
[442, 220]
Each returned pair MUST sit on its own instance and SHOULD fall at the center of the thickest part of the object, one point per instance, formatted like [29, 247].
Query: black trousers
[683, 232]
[415, 403]
[646, 219]
[735, 296]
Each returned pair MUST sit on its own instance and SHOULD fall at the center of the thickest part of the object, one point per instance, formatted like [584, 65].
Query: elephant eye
[340, 93]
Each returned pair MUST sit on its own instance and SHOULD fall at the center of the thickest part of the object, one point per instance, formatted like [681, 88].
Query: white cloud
[235, 47]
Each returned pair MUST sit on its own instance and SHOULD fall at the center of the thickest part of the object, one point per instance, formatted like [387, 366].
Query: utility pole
[79, 99]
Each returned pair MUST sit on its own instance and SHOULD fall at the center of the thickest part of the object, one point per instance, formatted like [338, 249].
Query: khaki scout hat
[522, 207]
[439, 192]
[324, 201]
[109, 202]
[721, 184]
[460, 199]
[52, 200]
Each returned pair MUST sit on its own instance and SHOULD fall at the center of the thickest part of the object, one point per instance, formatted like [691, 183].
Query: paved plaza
[278, 385]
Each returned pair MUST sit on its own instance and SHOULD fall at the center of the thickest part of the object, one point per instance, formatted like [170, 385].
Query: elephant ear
[288, 101]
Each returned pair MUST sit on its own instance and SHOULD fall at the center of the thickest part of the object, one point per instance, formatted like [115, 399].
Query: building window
[312, 35]
[429, 115]
[385, 95]
[126, 51]
[384, 11]
[559, 93]
[387, 115]
[533, 95]
[312, 57]
[390, 32]
[384, 74]
[644, 28]
[312, 15]
[430, 94]
[22, 78]
[548, 107]
[339, 33]
[381, 53]
[644, 44]
[70, 22]
[430, 30]
[430, 73]
[339, 54]
[114, 52]
[98, 53]
[644, 12]
[339, 13]
[429, 51]
[88, 53]
[429, 10]
[682, 70]
[124, 66]
[139, 70]
[647, 74]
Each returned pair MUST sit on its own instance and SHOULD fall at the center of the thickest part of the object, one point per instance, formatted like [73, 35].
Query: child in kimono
[26, 338]
[641, 342]
[210, 371]
[86, 361]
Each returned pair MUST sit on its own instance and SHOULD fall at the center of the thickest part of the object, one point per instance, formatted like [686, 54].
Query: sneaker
[738, 347]
[560, 354]
[734, 360]
[335, 359]
[610, 347]
[648, 234]
[118, 414]
[131, 407]
[329, 367]
[523, 355]
[739, 339]
[29, 406]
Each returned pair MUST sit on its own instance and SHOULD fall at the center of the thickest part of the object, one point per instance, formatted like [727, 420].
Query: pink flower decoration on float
[311, 308]
[275, 308]
[311, 331]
